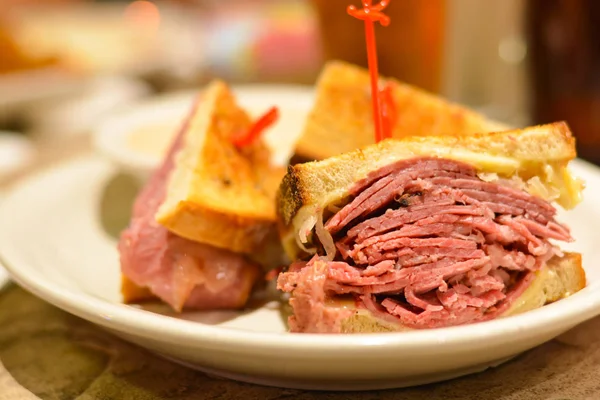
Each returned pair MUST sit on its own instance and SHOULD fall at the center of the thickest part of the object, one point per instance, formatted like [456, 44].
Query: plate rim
[125, 318]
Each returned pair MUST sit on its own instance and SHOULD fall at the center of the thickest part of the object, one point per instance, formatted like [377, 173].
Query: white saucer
[55, 242]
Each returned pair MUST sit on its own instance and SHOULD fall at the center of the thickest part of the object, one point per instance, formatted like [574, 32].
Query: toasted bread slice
[219, 194]
[342, 119]
[559, 278]
[537, 157]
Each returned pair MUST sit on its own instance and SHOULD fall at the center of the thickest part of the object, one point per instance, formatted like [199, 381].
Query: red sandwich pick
[246, 138]
[370, 14]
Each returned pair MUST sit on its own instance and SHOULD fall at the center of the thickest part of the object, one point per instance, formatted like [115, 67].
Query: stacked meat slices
[426, 243]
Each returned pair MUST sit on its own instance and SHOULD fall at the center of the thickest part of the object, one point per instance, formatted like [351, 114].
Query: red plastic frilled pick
[256, 129]
[370, 14]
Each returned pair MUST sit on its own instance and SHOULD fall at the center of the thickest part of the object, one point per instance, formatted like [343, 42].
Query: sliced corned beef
[427, 244]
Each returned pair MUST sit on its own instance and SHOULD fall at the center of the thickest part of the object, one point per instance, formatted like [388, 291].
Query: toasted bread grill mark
[290, 196]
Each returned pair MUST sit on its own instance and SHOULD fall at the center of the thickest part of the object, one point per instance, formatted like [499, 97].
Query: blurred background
[64, 64]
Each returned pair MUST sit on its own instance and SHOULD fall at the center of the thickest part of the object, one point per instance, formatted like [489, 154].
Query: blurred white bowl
[77, 114]
[24, 88]
[16, 153]
[137, 137]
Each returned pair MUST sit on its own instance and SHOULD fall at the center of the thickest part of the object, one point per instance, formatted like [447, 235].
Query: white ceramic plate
[55, 240]
[136, 137]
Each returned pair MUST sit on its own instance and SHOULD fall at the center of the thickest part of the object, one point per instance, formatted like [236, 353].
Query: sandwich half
[204, 227]
[341, 119]
[430, 231]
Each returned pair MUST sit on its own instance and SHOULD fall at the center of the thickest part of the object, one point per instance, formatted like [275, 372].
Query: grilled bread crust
[526, 153]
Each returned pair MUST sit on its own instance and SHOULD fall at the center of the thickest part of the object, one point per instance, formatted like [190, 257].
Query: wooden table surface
[46, 353]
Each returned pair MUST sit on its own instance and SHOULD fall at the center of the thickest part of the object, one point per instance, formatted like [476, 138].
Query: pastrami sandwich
[203, 229]
[429, 232]
[341, 118]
